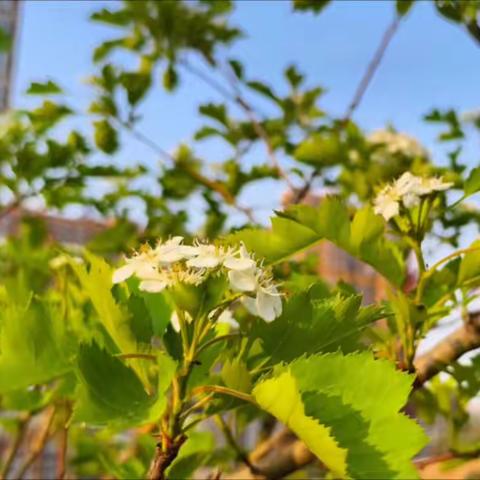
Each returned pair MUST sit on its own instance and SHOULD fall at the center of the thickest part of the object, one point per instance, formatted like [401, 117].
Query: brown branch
[452, 347]
[237, 98]
[12, 206]
[213, 185]
[372, 67]
[275, 459]
[63, 443]
[40, 443]
[240, 453]
[12, 454]
[163, 459]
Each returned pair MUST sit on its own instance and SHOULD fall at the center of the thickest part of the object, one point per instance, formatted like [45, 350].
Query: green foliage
[105, 136]
[46, 88]
[300, 227]
[36, 344]
[110, 356]
[472, 183]
[328, 405]
[323, 324]
[316, 6]
[111, 392]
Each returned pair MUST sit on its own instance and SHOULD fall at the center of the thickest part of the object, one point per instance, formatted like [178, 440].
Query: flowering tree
[220, 352]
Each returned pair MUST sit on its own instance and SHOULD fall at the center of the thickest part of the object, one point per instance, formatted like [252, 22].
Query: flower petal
[250, 304]
[242, 263]
[124, 272]
[269, 307]
[243, 280]
[152, 286]
[204, 261]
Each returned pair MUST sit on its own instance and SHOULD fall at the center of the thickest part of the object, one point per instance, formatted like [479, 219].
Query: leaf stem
[225, 391]
[215, 340]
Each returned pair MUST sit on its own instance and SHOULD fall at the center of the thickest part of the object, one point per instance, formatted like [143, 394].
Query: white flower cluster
[406, 190]
[397, 143]
[173, 262]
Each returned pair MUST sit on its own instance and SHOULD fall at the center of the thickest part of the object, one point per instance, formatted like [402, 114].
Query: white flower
[240, 260]
[172, 251]
[141, 264]
[266, 305]
[206, 256]
[387, 203]
[225, 317]
[407, 190]
[397, 143]
[435, 184]
[243, 280]
[172, 263]
[155, 282]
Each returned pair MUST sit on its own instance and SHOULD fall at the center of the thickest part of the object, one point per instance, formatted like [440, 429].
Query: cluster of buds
[394, 143]
[407, 191]
[172, 262]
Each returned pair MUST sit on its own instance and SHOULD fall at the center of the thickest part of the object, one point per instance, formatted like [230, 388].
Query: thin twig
[359, 92]
[63, 445]
[12, 454]
[240, 453]
[40, 444]
[215, 340]
[206, 182]
[145, 356]
[246, 107]
[225, 391]
[372, 67]
[303, 192]
[257, 125]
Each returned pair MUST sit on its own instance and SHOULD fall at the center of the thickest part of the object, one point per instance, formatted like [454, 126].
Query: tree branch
[372, 67]
[39, 445]
[275, 458]
[21, 432]
[452, 347]
[163, 459]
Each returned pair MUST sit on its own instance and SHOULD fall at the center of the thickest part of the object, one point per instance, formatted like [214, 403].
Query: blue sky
[429, 63]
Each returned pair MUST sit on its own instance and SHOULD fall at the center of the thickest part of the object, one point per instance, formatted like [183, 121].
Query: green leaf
[159, 310]
[136, 84]
[470, 264]
[118, 18]
[301, 226]
[403, 6]
[294, 77]
[111, 392]
[47, 115]
[472, 183]
[316, 6]
[170, 78]
[320, 150]
[313, 323]
[215, 111]
[236, 375]
[351, 422]
[237, 68]
[106, 138]
[35, 345]
[47, 88]
[264, 90]
[281, 397]
[97, 283]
